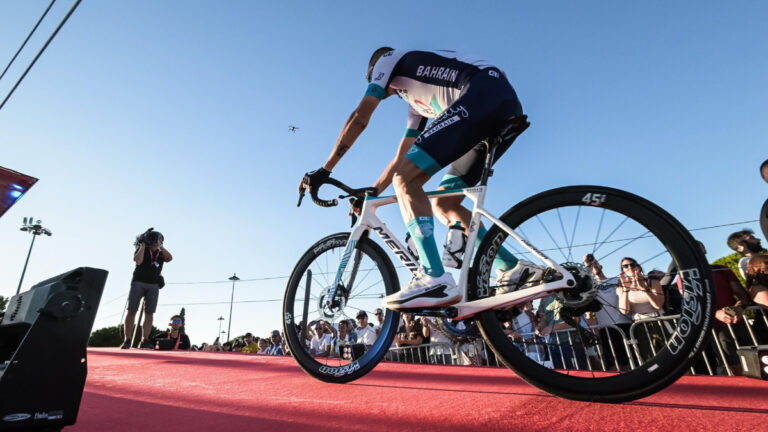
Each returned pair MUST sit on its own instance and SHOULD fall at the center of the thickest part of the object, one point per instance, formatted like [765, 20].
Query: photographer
[177, 339]
[146, 282]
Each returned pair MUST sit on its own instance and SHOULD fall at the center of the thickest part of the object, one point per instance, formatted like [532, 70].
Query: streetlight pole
[234, 279]
[35, 229]
[220, 319]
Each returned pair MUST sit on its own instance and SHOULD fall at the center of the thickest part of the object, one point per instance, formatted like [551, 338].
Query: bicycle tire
[668, 364]
[340, 373]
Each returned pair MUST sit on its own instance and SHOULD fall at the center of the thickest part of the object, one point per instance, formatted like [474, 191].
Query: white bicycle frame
[369, 221]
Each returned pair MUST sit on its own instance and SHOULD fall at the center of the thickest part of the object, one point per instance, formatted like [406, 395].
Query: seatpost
[489, 154]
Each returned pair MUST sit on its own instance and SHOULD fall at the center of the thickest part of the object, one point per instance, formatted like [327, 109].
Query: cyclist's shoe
[424, 291]
[146, 344]
[524, 272]
[126, 344]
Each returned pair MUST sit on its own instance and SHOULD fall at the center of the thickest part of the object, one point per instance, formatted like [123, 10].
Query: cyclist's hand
[313, 178]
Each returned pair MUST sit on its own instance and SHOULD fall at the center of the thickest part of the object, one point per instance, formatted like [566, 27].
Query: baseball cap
[362, 314]
[275, 333]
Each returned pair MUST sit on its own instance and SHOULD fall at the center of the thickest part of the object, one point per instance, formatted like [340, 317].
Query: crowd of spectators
[274, 344]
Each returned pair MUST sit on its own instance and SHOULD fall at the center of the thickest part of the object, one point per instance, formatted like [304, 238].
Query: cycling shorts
[453, 136]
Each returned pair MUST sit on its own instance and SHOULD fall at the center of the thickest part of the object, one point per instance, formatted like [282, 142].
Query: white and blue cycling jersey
[429, 81]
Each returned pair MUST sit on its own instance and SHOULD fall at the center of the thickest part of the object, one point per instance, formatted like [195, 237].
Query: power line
[724, 225]
[26, 40]
[288, 276]
[55, 32]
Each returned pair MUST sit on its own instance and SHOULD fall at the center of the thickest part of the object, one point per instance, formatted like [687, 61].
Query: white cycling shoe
[524, 272]
[424, 291]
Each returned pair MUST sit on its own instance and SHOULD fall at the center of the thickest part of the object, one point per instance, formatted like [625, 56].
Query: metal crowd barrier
[645, 338]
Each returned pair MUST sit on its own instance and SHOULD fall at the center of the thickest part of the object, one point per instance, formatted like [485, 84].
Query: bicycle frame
[369, 221]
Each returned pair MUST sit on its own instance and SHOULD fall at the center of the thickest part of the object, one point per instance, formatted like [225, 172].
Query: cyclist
[468, 99]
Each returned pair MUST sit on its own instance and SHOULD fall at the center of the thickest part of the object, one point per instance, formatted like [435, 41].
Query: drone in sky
[292, 128]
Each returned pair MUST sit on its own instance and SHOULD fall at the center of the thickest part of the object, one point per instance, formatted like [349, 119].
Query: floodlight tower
[36, 229]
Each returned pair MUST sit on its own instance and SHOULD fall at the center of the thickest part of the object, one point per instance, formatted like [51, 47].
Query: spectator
[238, 345]
[146, 282]
[320, 346]
[226, 346]
[440, 351]
[612, 342]
[730, 300]
[471, 350]
[365, 333]
[251, 344]
[565, 352]
[409, 334]
[764, 170]
[764, 210]
[757, 279]
[521, 329]
[351, 331]
[639, 296]
[379, 314]
[276, 347]
[747, 245]
[642, 298]
[263, 346]
[178, 340]
[343, 337]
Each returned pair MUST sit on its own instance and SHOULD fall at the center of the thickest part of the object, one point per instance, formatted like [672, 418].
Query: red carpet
[151, 391]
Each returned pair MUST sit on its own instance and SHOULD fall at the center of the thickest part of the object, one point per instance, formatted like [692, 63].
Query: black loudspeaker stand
[43, 338]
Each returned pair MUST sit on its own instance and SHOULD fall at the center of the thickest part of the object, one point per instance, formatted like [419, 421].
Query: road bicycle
[347, 272]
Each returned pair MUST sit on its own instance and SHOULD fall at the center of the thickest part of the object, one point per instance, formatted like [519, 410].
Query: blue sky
[175, 115]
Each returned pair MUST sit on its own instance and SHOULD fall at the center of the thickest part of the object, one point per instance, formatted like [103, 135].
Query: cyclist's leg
[484, 107]
[417, 213]
[467, 170]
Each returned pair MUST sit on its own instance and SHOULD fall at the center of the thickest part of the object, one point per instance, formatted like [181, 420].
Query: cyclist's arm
[386, 177]
[415, 124]
[355, 125]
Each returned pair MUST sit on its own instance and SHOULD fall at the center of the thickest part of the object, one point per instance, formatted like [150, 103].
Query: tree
[3, 303]
[113, 336]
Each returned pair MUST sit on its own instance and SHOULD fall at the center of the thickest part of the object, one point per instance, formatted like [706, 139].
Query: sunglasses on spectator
[176, 321]
[630, 265]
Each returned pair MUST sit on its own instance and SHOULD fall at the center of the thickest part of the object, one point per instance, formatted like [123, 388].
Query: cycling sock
[422, 231]
[504, 259]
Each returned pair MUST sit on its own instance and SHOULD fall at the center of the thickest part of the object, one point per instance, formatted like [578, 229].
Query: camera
[590, 258]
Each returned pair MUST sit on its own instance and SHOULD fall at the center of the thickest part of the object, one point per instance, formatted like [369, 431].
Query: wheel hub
[331, 311]
[583, 293]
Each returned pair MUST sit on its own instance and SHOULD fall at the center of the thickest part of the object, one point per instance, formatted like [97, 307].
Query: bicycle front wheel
[368, 277]
[576, 343]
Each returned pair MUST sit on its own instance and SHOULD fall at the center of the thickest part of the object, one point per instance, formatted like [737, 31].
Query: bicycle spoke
[573, 233]
[605, 240]
[565, 236]
[559, 249]
[599, 228]
[625, 245]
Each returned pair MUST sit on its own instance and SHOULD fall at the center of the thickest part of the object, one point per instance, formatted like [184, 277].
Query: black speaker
[754, 361]
[43, 339]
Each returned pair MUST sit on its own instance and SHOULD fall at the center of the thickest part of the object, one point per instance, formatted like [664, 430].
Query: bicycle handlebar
[357, 193]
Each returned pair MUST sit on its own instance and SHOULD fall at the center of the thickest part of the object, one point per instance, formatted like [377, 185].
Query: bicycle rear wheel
[583, 362]
[369, 276]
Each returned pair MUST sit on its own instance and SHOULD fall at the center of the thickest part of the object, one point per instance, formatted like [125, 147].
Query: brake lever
[354, 219]
[301, 197]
